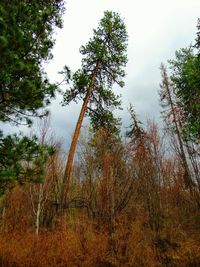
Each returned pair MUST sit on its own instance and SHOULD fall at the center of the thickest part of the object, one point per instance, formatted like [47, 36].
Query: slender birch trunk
[38, 212]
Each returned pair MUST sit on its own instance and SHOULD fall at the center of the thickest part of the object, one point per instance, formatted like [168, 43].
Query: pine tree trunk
[69, 164]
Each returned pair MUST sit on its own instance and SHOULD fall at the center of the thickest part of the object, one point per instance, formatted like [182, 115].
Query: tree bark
[69, 164]
[187, 176]
[38, 212]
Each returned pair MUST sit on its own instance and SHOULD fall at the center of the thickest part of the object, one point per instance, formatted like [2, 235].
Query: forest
[118, 197]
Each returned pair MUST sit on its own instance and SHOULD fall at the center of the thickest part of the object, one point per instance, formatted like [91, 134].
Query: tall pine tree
[104, 59]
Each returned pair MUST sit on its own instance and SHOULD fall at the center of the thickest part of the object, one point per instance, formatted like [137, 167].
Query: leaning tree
[104, 59]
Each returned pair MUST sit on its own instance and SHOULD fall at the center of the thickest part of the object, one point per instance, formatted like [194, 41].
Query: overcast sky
[156, 29]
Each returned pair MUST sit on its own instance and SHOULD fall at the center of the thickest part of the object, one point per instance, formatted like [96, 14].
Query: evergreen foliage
[22, 159]
[26, 40]
[185, 79]
[105, 53]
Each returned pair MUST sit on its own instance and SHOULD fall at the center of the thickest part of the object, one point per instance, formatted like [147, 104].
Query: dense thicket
[129, 201]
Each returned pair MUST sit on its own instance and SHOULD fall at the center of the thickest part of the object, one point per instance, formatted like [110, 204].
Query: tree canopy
[104, 54]
[185, 77]
[26, 40]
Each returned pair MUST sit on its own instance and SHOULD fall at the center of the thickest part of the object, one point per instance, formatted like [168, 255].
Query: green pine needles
[105, 54]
